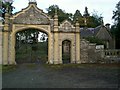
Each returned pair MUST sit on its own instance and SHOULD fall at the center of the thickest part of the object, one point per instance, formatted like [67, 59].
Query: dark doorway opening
[66, 51]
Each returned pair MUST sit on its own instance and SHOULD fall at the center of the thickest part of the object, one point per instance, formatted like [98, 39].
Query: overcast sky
[104, 7]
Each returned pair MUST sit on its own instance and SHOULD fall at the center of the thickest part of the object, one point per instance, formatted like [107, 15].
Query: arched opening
[66, 51]
[31, 46]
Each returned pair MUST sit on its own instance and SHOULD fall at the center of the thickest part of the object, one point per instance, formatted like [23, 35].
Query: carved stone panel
[66, 26]
[31, 16]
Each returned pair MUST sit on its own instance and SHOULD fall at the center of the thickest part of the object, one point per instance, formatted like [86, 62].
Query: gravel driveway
[62, 76]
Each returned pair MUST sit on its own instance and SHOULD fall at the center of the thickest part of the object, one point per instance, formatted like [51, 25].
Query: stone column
[50, 61]
[1, 27]
[77, 43]
[60, 52]
[12, 49]
[107, 44]
[50, 48]
[56, 61]
[5, 39]
[73, 51]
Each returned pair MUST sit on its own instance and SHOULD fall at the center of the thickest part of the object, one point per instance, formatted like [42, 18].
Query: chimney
[107, 26]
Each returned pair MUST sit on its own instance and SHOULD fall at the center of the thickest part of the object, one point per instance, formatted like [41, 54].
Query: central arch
[29, 48]
[13, 41]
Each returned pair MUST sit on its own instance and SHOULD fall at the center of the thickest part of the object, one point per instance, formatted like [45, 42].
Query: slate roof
[89, 32]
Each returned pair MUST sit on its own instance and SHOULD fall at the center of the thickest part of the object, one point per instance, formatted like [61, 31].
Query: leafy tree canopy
[88, 20]
[91, 21]
[6, 7]
[62, 15]
[116, 27]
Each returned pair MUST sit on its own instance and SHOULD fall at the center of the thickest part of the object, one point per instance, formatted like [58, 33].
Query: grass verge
[7, 68]
[61, 66]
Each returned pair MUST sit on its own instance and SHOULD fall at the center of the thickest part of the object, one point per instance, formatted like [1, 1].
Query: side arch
[66, 51]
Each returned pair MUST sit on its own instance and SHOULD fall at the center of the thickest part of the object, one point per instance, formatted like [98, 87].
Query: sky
[103, 7]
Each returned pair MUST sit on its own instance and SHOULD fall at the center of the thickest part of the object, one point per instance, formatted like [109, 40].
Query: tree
[116, 26]
[6, 7]
[78, 16]
[27, 35]
[86, 20]
[44, 37]
[62, 15]
[98, 18]
[93, 20]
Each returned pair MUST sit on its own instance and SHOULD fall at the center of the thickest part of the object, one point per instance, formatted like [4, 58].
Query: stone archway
[13, 42]
[68, 32]
[27, 52]
[33, 17]
[30, 17]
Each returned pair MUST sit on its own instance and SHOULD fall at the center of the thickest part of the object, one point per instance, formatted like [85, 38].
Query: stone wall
[111, 56]
[89, 53]
[84, 51]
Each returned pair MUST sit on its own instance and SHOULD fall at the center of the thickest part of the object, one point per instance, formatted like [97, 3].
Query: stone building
[102, 32]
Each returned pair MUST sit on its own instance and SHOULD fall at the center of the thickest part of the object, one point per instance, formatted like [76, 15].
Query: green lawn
[7, 68]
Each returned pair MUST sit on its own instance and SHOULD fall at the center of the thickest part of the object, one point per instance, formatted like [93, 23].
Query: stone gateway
[34, 18]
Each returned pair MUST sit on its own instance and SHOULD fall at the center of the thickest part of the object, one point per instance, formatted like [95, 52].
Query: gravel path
[48, 76]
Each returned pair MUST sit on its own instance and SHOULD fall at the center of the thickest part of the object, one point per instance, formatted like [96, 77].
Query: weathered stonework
[1, 27]
[89, 54]
[84, 51]
[34, 18]
[31, 15]
[68, 32]
[81, 51]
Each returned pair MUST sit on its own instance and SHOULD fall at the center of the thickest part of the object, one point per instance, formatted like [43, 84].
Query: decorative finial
[56, 15]
[86, 13]
[56, 11]
[32, 0]
[56, 18]
[85, 21]
[77, 22]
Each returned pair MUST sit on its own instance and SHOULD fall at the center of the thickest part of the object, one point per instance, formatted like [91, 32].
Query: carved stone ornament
[31, 16]
[32, 0]
[66, 26]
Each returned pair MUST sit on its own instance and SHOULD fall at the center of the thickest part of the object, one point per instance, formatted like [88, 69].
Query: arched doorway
[31, 46]
[66, 51]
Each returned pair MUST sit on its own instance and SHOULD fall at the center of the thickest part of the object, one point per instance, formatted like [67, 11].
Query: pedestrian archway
[66, 51]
